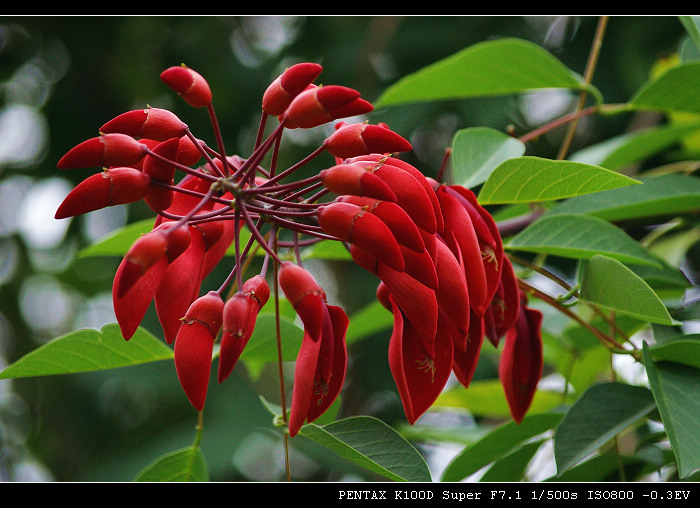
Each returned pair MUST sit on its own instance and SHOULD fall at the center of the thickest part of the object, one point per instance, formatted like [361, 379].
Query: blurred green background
[62, 77]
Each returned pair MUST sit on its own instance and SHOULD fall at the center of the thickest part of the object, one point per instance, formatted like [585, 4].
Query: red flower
[436, 252]
[193, 88]
[151, 123]
[295, 79]
[322, 360]
[194, 346]
[355, 225]
[355, 180]
[141, 271]
[420, 372]
[105, 150]
[115, 186]
[322, 104]
[351, 140]
[521, 363]
[240, 314]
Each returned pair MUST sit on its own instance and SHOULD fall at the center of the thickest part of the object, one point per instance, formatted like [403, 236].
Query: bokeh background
[61, 77]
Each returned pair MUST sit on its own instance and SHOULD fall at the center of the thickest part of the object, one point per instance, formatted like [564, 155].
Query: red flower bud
[194, 346]
[521, 362]
[106, 150]
[115, 186]
[379, 159]
[411, 195]
[240, 314]
[321, 104]
[148, 249]
[256, 288]
[356, 180]
[187, 153]
[351, 140]
[160, 198]
[191, 86]
[354, 225]
[152, 123]
[399, 222]
[288, 85]
[298, 284]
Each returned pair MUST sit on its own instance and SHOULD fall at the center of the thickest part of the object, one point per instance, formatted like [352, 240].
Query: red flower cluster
[437, 253]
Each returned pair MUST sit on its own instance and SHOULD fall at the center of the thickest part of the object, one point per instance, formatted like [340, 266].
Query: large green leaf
[690, 23]
[262, 346]
[676, 90]
[620, 151]
[117, 242]
[186, 465]
[498, 67]
[580, 237]
[684, 349]
[372, 444]
[498, 443]
[663, 195]
[89, 350]
[602, 412]
[486, 398]
[370, 319]
[532, 179]
[676, 387]
[477, 151]
[609, 284]
[513, 466]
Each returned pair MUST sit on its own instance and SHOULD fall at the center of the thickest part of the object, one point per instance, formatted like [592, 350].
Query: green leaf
[663, 195]
[372, 318]
[673, 91]
[620, 151]
[603, 411]
[326, 249]
[580, 237]
[496, 444]
[498, 67]
[675, 388]
[684, 349]
[477, 151]
[117, 242]
[262, 346]
[690, 23]
[610, 284]
[370, 443]
[512, 467]
[532, 179]
[186, 465]
[89, 350]
[486, 398]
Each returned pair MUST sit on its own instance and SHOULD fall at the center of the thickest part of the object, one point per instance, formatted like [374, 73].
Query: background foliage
[64, 76]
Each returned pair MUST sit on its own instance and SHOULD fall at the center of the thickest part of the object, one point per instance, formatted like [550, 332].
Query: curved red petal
[180, 286]
[465, 360]
[131, 307]
[420, 376]
[521, 363]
